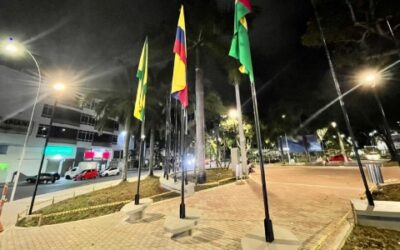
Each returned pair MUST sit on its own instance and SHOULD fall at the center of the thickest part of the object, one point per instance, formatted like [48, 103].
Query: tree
[118, 103]
[204, 21]
[358, 31]
[360, 34]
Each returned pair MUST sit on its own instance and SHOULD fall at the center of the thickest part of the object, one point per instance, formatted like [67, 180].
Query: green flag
[142, 75]
[240, 46]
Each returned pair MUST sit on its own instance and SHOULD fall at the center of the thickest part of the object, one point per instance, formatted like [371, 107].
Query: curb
[335, 237]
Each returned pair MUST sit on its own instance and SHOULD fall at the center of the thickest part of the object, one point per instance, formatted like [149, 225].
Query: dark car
[56, 175]
[44, 177]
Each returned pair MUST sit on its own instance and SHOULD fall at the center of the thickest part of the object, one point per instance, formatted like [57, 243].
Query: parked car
[337, 158]
[110, 171]
[86, 174]
[44, 178]
[70, 174]
[56, 175]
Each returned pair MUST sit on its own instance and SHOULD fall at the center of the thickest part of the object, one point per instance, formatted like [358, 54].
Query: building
[73, 135]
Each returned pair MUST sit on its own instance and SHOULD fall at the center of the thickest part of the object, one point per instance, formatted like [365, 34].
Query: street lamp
[340, 138]
[372, 78]
[12, 48]
[233, 114]
[58, 88]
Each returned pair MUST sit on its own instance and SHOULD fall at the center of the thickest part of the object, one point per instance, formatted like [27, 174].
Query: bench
[178, 227]
[136, 212]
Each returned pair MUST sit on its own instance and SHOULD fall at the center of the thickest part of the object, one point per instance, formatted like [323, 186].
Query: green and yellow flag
[240, 46]
[142, 75]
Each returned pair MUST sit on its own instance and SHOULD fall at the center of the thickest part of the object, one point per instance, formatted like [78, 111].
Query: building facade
[72, 136]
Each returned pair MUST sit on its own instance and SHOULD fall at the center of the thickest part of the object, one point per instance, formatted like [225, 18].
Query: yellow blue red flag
[179, 87]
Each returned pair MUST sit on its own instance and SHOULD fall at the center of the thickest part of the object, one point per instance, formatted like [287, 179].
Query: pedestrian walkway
[305, 201]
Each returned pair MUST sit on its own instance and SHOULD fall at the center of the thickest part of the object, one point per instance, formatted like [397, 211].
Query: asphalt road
[25, 189]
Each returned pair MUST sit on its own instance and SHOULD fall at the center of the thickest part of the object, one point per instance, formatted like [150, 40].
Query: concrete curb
[335, 238]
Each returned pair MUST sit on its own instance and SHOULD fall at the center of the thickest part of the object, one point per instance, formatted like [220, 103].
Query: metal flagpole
[182, 212]
[176, 139]
[344, 111]
[141, 161]
[269, 232]
[167, 136]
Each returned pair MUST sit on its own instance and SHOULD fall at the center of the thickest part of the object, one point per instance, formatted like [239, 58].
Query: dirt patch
[388, 193]
[364, 237]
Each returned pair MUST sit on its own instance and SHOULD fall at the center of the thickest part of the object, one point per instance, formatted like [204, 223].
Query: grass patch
[122, 192]
[364, 237]
[217, 174]
[214, 177]
[387, 193]
[119, 193]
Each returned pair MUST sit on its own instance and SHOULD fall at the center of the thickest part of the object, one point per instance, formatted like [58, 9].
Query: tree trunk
[242, 139]
[151, 155]
[200, 139]
[341, 144]
[126, 148]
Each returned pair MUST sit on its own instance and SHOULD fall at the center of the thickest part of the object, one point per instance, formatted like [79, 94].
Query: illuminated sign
[97, 153]
[106, 154]
[88, 154]
[59, 150]
[3, 166]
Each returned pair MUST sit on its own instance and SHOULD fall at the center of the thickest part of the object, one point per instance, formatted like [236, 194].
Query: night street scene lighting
[212, 124]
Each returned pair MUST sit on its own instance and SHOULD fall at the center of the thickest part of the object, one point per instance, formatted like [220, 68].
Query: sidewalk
[21, 206]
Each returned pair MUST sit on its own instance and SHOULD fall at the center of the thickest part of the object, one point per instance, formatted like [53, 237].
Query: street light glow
[59, 86]
[370, 77]
[233, 114]
[283, 116]
[333, 124]
[11, 48]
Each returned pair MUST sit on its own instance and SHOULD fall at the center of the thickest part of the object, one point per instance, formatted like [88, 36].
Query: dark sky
[92, 37]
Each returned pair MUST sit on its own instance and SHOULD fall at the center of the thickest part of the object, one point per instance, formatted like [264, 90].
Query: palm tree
[204, 27]
[235, 77]
[118, 103]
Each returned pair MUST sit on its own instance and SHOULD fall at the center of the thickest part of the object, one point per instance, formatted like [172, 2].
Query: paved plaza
[305, 200]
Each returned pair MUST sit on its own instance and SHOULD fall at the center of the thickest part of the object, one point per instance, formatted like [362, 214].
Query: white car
[110, 171]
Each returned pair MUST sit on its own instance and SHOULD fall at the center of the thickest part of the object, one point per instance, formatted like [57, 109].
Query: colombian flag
[179, 86]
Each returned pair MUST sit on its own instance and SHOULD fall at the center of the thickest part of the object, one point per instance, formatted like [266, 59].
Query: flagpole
[167, 136]
[269, 232]
[176, 139]
[141, 160]
[182, 210]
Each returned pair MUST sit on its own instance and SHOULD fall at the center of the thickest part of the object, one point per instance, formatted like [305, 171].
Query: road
[26, 189]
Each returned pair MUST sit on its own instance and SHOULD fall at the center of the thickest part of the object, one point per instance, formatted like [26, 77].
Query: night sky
[90, 37]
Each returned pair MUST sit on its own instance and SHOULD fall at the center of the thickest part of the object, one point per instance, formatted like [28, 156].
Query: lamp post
[372, 78]
[286, 140]
[13, 48]
[58, 88]
[341, 144]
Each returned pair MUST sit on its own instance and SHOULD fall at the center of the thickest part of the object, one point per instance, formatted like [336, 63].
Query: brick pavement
[304, 201]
